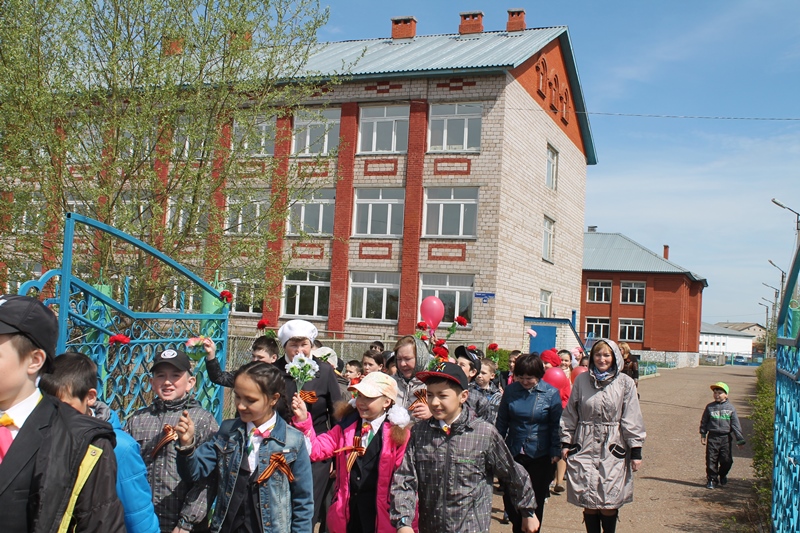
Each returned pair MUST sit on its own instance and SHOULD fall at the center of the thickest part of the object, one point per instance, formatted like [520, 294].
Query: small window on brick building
[307, 293]
[551, 177]
[316, 133]
[255, 137]
[598, 327]
[374, 295]
[455, 127]
[379, 212]
[545, 303]
[451, 211]
[313, 214]
[456, 291]
[632, 292]
[548, 239]
[598, 291]
[383, 129]
[631, 329]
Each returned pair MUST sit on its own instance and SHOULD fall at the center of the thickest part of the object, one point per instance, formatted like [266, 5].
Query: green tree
[157, 117]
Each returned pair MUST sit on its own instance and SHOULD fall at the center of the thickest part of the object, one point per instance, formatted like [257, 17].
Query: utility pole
[766, 329]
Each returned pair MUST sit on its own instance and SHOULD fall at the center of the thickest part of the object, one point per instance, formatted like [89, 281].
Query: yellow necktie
[6, 420]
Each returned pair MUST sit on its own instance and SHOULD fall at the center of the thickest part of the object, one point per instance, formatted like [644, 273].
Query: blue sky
[701, 186]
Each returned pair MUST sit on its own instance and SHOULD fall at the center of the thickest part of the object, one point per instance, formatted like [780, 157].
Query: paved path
[669, 489]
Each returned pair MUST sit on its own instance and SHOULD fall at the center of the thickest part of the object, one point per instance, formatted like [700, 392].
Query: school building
[461, 173]
[632, 294]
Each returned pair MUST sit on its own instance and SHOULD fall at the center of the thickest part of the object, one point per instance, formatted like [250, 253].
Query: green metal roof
[450, 54]
[614, 252]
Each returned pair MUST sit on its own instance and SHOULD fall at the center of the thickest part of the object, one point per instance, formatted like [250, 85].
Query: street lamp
[796, 237]
[779, 204]
[766, 329]
[783, 272]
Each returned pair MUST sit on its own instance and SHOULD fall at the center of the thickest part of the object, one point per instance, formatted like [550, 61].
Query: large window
[374, 295]
[379, 212]
[545, 303]
[313, 215]
[32, 218]
[598, 327]
[307, 293]
[455, 127]
[244, 297]
[183, 213]
[548, 239]
[632, 292]
[384, 129]
[316, 133]
[454, 290]
[551, 178]
[631, 329]
[255, 138]
[247, 212]
[192, 137]
[599, 291]
[451, 212]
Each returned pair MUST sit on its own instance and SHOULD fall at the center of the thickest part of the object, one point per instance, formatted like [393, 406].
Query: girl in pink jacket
[369, 444]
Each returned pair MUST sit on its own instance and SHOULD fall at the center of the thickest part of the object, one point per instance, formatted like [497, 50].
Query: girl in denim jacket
[262, 465]
[369, 444]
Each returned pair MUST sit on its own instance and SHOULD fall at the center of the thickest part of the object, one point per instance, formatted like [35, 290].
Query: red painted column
[343, 217]
[216, 218]
[279, 199]
[412, 223]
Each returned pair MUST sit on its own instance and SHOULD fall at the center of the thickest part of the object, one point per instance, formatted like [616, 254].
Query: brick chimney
[666, 251]
[471, 22]
[172, 46]
[516, 20]
[404, 27]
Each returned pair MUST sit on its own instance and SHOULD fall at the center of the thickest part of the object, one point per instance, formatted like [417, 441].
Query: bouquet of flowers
[302, 369]
[194, 347]
[493, 353]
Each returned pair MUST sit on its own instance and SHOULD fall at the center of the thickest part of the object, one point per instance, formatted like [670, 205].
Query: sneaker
[710, 485]
[559, 489]
[723, 480]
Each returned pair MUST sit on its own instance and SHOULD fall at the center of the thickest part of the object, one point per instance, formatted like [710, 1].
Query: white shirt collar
[376, 424]
[20, 412]
[265, 426]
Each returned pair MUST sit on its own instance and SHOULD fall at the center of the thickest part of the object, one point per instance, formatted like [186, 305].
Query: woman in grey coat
[602, 433]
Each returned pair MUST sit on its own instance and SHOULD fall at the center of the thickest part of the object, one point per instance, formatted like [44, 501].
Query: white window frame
[548, 239]
[174, 210]
[551, 175]
[628, 329]
[545, 303]
[603, 323]
[188, 149]
[235, 201]
[260, 133]
[472, 115]
[637, 289]
[450, 286]
[317, 285]
[440, 218]
[171, 300]
[395, 208]
[592, 287]
[86, 144]
[33, 216]
[244, 292]
[394, 116]
[299, 206]
[305, 124]
[387, 287]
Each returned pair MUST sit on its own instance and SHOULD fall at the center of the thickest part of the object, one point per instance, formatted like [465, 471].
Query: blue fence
[88, 316]
[786, 473]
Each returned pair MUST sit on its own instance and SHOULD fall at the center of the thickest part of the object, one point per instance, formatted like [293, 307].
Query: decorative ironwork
[786, 453]
[88, 316]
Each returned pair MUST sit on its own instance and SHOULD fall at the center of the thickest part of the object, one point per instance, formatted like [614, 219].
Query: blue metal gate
[88, 316]
[786, 457]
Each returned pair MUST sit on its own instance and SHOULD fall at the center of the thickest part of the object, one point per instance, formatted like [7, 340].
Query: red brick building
[635, 295]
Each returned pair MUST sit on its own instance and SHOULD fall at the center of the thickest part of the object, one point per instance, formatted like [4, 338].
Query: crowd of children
[415, 446]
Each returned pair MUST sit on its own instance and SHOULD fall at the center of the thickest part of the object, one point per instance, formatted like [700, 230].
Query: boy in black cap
[180, 506]
[469, 360]
[450, 463]
[43, 441]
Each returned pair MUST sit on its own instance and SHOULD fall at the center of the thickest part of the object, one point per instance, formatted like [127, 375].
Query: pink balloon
[532, 332]
[577, 371]
[556, 377]
[432, 311]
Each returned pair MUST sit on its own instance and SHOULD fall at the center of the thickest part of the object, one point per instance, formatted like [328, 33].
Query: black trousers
[541, 470]
[719, 456]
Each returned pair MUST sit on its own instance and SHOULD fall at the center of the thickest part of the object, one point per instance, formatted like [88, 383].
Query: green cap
[720, 385]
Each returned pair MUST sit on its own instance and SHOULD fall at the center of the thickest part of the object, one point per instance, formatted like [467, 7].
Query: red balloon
[556, 377]
[432, 311]
[577, 371]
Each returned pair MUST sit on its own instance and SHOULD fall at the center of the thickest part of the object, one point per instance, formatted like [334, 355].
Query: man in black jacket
[48, 451]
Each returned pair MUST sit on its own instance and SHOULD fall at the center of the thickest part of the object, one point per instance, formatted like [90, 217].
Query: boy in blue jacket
[74, 382]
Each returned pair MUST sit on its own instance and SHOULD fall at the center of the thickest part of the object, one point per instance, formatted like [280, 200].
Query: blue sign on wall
[484, 296]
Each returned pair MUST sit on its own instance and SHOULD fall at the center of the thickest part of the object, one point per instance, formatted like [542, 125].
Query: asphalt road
[669, 489]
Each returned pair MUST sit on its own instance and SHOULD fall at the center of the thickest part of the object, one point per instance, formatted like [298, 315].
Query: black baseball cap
[471, 356]
[176, 358]
[445, 370]
[30, 317]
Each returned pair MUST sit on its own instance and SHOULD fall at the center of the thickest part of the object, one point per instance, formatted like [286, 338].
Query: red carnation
[440, 351]
[422, 325]
[424, 337]
[226, 296]
[440, 342]
[492, 347]
[119, 339]
[472, 347]
[262, 324]
[461, 321]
